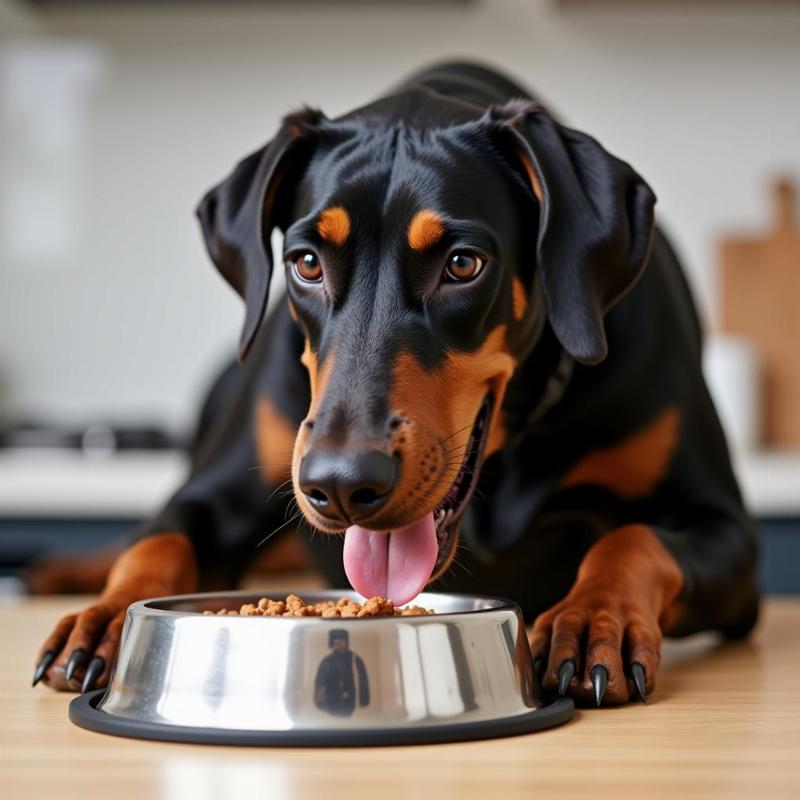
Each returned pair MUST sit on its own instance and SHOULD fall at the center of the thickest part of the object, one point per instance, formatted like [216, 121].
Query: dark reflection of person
[341, 683]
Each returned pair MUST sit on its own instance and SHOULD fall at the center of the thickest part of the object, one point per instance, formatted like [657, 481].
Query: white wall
[131, 319]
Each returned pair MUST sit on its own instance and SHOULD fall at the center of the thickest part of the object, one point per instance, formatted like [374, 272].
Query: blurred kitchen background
[116, 116]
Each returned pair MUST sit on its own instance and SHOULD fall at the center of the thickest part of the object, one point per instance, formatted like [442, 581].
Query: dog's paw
[599, 645]
[79, 653]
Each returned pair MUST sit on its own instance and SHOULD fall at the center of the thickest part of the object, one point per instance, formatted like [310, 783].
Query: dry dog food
[294, 606]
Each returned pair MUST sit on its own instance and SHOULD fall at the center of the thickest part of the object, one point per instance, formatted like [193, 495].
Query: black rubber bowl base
[84, 713]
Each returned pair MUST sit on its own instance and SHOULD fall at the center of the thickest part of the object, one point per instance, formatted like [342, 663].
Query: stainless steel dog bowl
[464, 673]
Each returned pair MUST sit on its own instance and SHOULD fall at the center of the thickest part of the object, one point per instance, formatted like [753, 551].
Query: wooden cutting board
[760, 294]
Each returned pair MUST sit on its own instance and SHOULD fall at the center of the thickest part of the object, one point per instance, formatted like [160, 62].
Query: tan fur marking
[532, 176]
[634, 467]
[318, 377]
[163, 563]
[439, 404]
[496, 439]
[439, 407]
[275, 436]
[519, 299]
[334, 225]
[284, 554]
[628, 588]
[425, 230]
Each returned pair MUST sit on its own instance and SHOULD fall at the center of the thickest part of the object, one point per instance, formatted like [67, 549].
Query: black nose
[347, 486]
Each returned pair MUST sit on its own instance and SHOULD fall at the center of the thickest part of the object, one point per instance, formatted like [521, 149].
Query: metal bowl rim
[146, 607]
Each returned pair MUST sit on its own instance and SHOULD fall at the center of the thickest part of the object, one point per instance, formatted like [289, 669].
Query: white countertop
[57, 483]
[770, 482]
[65, 483]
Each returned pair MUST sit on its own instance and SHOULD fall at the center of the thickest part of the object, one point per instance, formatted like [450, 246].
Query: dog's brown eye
[463, 266]
[307, 266]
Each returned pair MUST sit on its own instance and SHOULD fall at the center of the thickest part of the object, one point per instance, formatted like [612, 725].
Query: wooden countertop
[724, 722]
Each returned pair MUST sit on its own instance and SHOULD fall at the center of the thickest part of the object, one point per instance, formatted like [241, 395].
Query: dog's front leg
[602, 642]
[82, 647]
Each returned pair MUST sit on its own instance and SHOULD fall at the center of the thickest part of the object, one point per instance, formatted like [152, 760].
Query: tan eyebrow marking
[334, 225]
[425, 230]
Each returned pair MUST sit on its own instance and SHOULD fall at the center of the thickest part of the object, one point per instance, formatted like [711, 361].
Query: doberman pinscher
[486, 373]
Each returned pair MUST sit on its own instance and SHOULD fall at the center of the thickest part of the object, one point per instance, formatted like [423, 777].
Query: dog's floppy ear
[238, 216]
[595, 225]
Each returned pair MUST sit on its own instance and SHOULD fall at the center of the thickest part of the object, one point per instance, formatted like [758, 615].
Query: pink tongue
[393, 564]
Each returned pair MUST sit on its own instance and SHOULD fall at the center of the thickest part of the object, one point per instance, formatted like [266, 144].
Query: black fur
[626, 346]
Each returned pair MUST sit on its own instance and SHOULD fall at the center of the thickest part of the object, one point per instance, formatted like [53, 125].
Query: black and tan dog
[487, 375]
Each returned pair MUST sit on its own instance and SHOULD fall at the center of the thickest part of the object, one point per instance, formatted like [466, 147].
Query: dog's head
[424, 254]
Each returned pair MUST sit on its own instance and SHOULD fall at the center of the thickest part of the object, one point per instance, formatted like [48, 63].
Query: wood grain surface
[724, 722]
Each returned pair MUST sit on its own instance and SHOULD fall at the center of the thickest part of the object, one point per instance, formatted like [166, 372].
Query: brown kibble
[294, 602]
[295, 606]
[414, 611]
[277, 607]
[377, 607]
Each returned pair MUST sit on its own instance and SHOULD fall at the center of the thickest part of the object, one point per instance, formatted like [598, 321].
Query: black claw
[538, 666]
[93, 672]
[565, 675]
[44, 664]
[600, 682]
[76, 660]
[639, 680]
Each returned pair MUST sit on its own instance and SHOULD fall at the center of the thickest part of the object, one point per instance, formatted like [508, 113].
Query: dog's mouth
[398, 564]
[447, 515]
